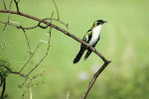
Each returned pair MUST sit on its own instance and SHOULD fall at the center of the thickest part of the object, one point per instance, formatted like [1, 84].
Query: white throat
[95, 34]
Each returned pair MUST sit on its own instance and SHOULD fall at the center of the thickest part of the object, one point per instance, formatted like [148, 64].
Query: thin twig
[8, 19]
[38, 64]
[19, 26]
[57, 10]
[46, 53]
[27, 42]
[4, 88]
[13, 72]
[5, 7]
[5, 25]
[17, 6]
[3, 85]
[10, 4]
[58, 16]
[29, 59]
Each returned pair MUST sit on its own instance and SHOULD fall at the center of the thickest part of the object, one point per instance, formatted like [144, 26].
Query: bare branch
[27, 42]
[5, 7]
[96, 75]
[58, 29]
[26, 39]
[8, 19]
[94, 78]
[57, 10]
[10, 4]
[3, 86]
[58, 16]
[5, 25]
[19, 26]
[41, 26]
[38, 64]
[13, 72]
[46, 53]
[52, 19]
[17, 6]
[29, 59]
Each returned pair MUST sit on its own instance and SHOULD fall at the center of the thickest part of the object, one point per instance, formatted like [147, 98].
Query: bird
[92, 37]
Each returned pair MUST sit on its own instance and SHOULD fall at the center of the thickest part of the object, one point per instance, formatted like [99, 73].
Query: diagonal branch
[58, 29]
[4, 87]
[96, 75]
[29, 58]
[13, 72]
[27, 41]
[94, 78]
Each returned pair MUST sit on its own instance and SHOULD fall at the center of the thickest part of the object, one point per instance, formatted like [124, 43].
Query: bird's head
[99, 22]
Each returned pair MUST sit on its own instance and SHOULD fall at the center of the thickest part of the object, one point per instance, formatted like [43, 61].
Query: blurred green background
[124, 41]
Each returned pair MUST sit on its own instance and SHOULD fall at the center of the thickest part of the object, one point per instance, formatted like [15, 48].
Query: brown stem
[17, 6]
[94, 78]
[96, 75]
[57, 28]
[13, 72]
[4, 88]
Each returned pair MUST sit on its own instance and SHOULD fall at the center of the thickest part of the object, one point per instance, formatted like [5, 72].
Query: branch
[58, 29]
[56, 8]
[27, 41]
[4, 5]
[46, 53]
[18, 26]
[29, 59]
[94, 78]
[10, 4]
[4, 87]
[96, 75]
[13, 72]
[17, 6]
[8, 19]
[5, 26]
[54, 19]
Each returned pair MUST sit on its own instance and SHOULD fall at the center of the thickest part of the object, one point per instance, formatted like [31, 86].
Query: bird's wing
[87, 36]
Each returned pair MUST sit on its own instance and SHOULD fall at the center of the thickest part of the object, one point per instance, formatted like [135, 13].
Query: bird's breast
[95, 35]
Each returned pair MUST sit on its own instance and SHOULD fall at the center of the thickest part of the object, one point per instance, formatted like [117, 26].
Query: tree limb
[58, 29]
[96, 75]
[94, 78]
[12, 72]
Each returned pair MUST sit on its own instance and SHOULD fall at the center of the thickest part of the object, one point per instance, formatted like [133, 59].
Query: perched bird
[92, 37]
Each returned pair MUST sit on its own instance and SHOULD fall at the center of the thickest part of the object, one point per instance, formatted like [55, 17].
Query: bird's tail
[79, 55]
[87, 54]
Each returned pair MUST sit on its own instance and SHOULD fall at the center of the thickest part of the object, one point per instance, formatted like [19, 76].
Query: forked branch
[49, 24]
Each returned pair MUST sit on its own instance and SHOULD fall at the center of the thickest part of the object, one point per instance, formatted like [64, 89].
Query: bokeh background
[124, 41]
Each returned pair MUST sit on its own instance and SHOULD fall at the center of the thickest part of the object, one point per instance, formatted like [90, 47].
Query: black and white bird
[91, 37]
